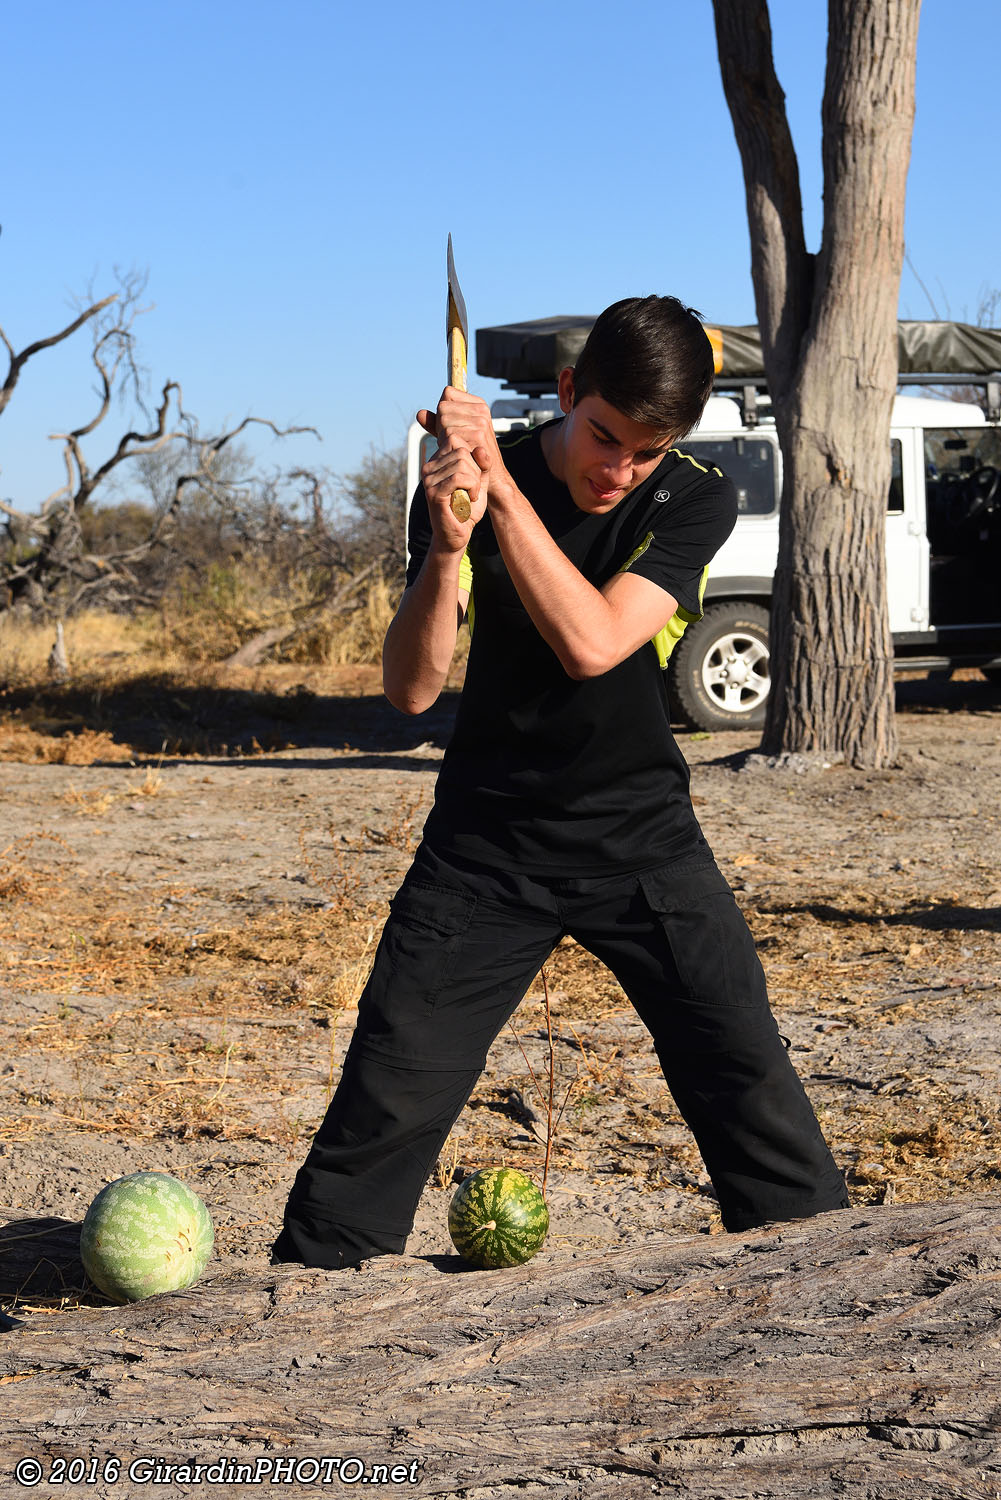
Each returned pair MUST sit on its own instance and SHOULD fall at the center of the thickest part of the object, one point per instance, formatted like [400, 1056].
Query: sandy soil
[181, 938]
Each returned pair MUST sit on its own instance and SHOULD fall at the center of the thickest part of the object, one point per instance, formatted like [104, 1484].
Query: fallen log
[253, 651]
[858, 1353]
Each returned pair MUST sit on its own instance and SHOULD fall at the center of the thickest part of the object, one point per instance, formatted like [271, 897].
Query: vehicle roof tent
[529, 356]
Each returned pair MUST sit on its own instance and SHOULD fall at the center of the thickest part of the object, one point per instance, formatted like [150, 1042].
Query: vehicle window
[951, 453]
[895, 501]
[961, 471]
[749, 462]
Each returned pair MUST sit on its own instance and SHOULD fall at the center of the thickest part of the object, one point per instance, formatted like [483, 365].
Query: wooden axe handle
[457, 377]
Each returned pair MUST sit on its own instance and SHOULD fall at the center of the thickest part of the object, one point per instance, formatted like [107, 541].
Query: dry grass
[26, 874]
[188, 1048]
[348, 639]
[97, 802]
[207, 620]
[232, 604]
[95, 637]
[203, 627]
[201, 1033]
[139, 688]
[50, 744]
[149, 1025]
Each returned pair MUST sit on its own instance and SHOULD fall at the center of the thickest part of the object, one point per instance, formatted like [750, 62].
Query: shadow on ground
[40, 1257]
[933, 916]
[154, 715]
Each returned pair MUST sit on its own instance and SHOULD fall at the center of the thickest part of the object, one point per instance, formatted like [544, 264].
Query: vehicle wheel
[719, 668]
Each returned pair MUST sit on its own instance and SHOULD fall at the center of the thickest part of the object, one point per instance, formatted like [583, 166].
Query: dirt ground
[184, 931]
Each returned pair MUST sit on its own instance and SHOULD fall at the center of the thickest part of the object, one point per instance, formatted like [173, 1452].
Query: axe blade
[455, 312]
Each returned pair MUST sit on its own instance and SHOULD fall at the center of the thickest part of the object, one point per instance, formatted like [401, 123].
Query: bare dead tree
[47, 556]
[322, 545]
[339, 560]
[376, 496]
[829, 340]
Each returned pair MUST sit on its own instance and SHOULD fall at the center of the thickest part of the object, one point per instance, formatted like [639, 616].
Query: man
[562, 805]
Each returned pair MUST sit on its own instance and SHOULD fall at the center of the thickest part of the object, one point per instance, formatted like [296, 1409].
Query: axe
[457, 335]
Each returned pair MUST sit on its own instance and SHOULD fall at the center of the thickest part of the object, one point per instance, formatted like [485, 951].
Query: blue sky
[287, 176]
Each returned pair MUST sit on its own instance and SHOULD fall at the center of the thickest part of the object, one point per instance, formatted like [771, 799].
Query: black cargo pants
[459, 951]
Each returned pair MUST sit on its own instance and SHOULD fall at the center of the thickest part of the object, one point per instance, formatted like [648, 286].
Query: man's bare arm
[419, 644]
[591, 630]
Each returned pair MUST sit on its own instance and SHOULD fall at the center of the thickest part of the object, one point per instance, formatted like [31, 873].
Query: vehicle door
[907, 550]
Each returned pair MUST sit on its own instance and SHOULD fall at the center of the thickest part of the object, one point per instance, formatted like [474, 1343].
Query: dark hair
[651, 359]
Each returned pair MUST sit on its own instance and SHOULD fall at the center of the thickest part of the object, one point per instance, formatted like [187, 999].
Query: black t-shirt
[544, 773]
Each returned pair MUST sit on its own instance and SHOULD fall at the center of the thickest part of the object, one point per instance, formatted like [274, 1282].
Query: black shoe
[329, 1257]
[283, 1251]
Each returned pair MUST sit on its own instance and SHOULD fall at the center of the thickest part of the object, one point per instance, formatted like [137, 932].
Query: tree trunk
[851, 1354]
[829, 339]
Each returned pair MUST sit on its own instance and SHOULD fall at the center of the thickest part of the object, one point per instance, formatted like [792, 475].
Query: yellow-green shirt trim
[668, 637]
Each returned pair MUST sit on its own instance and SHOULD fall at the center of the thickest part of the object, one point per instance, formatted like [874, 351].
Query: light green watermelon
[143, 1234]
[498, 1217]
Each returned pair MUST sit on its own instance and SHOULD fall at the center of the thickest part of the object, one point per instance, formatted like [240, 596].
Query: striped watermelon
[143, 1234]
[498, 1217]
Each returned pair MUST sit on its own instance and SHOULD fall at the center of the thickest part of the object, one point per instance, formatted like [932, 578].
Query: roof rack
[751, 395]
[528, 356]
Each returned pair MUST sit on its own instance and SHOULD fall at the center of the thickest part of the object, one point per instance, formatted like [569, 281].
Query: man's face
[599, 454]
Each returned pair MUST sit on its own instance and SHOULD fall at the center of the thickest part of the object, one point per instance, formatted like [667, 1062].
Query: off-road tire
[719, 669]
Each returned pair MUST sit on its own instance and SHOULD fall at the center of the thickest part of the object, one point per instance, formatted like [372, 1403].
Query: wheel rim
[735, 672]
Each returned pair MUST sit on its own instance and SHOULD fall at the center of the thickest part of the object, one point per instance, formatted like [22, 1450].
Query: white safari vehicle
[943, 519]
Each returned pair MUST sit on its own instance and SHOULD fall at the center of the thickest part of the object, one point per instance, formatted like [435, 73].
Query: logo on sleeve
[661, 495]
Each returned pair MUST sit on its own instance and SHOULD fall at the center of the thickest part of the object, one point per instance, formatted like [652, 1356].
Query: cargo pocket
[424, 936]
[710, 943]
